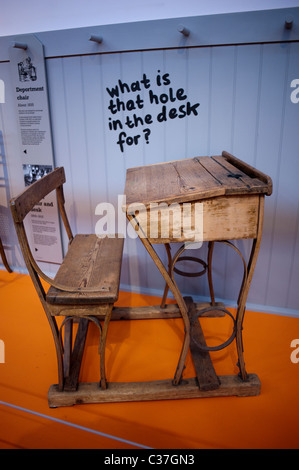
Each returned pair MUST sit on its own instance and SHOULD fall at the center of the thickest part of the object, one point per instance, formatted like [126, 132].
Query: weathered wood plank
[191, 179]
[71, 381]
[222, 175]
[171, 182]
[252, 183]
[24, 202]
[205, 372]
[230, 385]
[224, 217]
[191, 176]
[250, 170]
[91, 268]
[67, 347]
[156, 312]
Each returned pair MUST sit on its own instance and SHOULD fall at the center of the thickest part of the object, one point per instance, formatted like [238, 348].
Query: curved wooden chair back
[87, 285]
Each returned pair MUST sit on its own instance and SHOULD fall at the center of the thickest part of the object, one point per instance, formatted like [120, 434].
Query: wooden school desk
[190, 201]
[230, 196]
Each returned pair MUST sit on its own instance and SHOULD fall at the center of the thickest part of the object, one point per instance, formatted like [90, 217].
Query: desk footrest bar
[230, 385]
[155, 312]
[205, 372]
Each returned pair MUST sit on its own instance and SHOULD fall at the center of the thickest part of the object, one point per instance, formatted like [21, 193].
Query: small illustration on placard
[33, 173]
[27, 71]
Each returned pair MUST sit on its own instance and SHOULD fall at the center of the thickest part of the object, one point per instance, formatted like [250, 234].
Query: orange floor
[143, 350]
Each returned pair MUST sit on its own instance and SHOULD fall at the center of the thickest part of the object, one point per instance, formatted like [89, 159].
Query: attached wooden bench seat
[84, 288]
[90, 263]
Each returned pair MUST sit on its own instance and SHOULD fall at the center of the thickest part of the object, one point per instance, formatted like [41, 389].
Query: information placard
[33, 122]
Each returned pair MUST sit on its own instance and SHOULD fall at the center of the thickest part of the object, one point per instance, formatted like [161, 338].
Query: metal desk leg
[4, 259]
[171, 268]
[181, 304]
[166, 289]
[245, 288]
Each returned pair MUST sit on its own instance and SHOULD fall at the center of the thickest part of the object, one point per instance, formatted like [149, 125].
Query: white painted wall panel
[286, 197]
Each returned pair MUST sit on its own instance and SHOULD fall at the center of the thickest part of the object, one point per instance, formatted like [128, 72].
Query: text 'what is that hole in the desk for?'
[134, 107]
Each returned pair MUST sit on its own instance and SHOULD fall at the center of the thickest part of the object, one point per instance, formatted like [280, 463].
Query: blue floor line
[66, 423]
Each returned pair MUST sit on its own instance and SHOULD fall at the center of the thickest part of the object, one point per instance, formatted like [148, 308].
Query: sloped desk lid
[194, 179]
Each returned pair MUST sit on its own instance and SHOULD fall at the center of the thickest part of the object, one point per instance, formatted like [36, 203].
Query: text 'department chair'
[84, 288]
